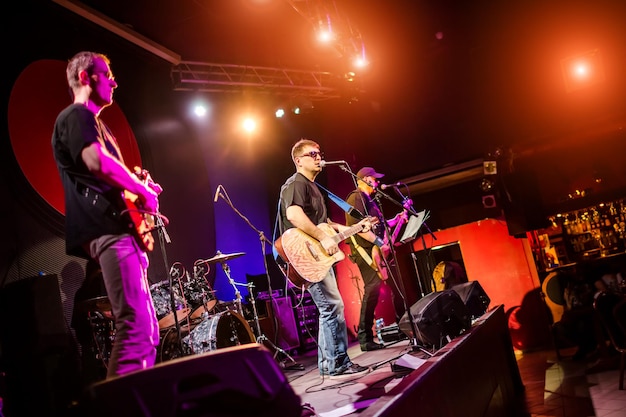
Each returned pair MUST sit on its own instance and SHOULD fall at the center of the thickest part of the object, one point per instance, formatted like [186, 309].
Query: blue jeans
[125, 273]
[332, 340]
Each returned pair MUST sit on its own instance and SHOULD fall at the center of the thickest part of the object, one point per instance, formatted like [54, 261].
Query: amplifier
[307, 320]
[279, 324]
[265, 295]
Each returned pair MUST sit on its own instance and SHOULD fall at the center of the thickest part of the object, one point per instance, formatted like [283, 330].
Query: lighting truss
[226, 78]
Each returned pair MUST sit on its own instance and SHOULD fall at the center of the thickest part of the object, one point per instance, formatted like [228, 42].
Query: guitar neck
[396, 232]
[345, 234]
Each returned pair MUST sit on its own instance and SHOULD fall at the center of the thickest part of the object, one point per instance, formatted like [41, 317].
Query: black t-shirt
[299, 191]
[75, 128]
[368, 207]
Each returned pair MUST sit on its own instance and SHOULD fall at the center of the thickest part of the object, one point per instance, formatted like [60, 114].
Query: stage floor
[341, 397]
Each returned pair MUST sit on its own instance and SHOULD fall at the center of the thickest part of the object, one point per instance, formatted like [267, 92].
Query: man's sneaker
[351, 372]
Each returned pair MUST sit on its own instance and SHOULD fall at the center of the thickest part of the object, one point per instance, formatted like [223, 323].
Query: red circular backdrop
[39, 94]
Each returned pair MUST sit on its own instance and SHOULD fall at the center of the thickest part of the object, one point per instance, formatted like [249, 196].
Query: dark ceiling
[491, 78]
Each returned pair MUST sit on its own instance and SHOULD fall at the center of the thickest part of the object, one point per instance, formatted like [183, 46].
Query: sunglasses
[314, 154]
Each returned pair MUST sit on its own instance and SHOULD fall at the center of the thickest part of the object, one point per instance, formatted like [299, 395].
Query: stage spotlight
[200, 110]
[583, 70]
[360, 62]
[249, 124]
[325, 36]
[325, 33]
[302, 105]
[280, 113]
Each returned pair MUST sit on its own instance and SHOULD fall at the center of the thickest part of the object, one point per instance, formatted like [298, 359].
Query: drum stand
[237, 300]
[261, 338]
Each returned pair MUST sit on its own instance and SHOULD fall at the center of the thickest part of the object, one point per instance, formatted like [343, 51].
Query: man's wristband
[378, 242]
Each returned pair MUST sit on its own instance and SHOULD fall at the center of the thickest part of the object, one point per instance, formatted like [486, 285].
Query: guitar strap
[341, 203]
[356, 214]
[366, 257]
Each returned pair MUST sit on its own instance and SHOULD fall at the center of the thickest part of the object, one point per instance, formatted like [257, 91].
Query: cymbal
[223, 257]
[101, 304]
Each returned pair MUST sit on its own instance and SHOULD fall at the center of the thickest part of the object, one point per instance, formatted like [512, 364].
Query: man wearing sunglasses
[302, 206]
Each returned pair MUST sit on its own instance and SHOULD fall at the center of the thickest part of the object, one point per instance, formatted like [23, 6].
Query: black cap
[368, 172]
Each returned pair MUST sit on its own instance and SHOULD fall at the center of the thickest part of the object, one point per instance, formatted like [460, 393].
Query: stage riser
[475, 375]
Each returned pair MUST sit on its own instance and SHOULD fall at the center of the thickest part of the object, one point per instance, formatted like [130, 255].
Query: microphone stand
[261, 338]
[398, 276]
[164, 237]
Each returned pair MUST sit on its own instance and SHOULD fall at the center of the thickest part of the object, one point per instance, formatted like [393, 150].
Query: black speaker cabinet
[234, 381]
[439, 317]
[474, 298]
[37, 357]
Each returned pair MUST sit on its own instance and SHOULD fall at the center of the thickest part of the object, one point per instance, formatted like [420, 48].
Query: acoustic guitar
[307, 261]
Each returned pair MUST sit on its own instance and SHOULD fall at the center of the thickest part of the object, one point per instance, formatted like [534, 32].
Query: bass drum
[221, 330]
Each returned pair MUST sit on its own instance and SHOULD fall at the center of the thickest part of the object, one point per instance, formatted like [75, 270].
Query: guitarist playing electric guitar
[370, 250]
[94, 178]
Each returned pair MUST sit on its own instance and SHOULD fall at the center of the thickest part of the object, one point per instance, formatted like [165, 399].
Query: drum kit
[199, 322]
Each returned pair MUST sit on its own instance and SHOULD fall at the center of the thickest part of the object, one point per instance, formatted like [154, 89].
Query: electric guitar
[380, 260]
[307, 261]
[142, 223]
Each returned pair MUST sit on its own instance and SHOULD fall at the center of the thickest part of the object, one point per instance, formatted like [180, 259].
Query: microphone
[217, 193]
[385, 186]
[324, 163]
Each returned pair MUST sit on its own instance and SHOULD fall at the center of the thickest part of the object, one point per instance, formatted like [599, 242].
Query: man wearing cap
[364, 253]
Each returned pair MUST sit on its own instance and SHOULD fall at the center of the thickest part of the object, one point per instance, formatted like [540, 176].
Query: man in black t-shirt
[302, 206]
[94, 177]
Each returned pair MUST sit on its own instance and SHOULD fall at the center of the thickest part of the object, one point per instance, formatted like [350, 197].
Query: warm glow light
[249, 124]
[360, 62]
[583, 70]
[325, 36]
[280, 113]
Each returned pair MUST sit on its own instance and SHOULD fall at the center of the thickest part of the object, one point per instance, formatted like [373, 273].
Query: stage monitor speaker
[234, 381]
[439, 317]
[474, 298]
